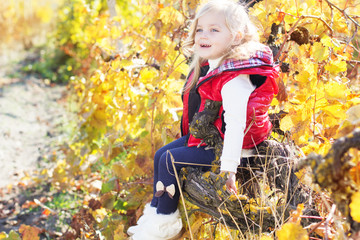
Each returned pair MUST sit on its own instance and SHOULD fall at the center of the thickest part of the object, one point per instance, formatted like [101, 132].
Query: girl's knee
[157, 157]
[165, 163]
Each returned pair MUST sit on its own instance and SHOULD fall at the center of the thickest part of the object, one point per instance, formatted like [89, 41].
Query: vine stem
[181, 193]
[343, 12]
[295, 26]
[152, 129]
[286, 37]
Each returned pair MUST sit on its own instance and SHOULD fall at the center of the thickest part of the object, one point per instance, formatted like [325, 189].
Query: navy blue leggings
[163, 169]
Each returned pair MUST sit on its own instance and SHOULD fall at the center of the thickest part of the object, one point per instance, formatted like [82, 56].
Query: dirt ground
[33, 128]
[29, 112]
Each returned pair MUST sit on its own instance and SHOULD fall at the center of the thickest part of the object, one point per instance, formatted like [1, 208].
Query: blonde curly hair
[237, 21]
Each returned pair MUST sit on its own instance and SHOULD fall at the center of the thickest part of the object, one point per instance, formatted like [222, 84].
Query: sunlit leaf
[3, 235]
[353, 114]
[121, 171]
[292, 231]
[355, 206]
[29, 232]
[12, 236]
[286, 123]
[336, 66]
[336, 91]
[320, 53]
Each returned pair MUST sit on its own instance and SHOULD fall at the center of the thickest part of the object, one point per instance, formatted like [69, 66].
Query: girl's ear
[237, 38]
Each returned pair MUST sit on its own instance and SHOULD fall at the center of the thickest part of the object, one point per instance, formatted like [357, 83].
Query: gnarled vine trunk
[253, 208]
[274, 166]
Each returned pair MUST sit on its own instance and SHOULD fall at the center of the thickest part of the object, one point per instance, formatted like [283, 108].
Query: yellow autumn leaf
[326, 41]
[259, 12]
[292, 231]
[29, 232]
[336, 91]
[304, 139]
[353, 114]
[119, 232]
[340, 24]
[336, 66]
[171, 15]
[295, 215]
[320, 53]
[335, 111]
[147, 75]
[121, 171]
[100, 115]
[44, 13]
[3, 235]
[310, 147]
[265, 237]
[355, 206]
[286, 123]
[274, 102]
[100, 214]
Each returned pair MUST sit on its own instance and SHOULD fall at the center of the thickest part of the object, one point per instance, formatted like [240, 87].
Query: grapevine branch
[352, 37]
[343, 12]
[331, 5]
[273, 161]
[295, 26]
[331, 172]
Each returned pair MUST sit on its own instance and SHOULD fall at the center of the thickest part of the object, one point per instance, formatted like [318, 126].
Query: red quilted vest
[258, 125]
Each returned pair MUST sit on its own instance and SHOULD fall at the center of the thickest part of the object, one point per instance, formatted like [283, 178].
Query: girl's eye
[214, 30]
[199, 30]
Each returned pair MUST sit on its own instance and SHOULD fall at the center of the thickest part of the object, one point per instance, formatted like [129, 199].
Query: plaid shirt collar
[260, 58]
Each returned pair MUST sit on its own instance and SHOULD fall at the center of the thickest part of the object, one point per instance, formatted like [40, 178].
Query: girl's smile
[212, 38]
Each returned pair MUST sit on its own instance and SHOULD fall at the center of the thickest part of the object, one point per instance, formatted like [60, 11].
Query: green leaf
[13, 236]
[108, 186]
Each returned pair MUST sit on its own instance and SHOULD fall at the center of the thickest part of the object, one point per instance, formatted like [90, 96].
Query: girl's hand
[230, 183]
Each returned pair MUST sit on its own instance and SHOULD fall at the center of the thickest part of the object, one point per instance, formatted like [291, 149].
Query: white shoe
[148, 211]
[159, 227]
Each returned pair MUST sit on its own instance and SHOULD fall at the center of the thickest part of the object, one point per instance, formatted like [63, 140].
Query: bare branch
[352, 37]
[343, 12]
[286, 38]
[319, 18]
[294, 27]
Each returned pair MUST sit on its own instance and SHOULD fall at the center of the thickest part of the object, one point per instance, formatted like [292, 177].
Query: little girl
[231, 66]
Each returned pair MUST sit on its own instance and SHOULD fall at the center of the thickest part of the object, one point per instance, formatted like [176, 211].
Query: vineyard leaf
[355, 173]
[45, 13]
[108, 186]
[121, 171]
[119, 233]
[336, 91]
[336, 66]
[355, 206]
[292, 231]
[335, 111]
[29, 232]
[286, 123]
[295, 216]
[107, 201]
[353, 114]
[265, 237]
[326, 41]
[12, 236]
[171, 15]
[320, 53]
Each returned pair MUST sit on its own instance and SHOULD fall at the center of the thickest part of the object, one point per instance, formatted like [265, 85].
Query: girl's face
[212, 38]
